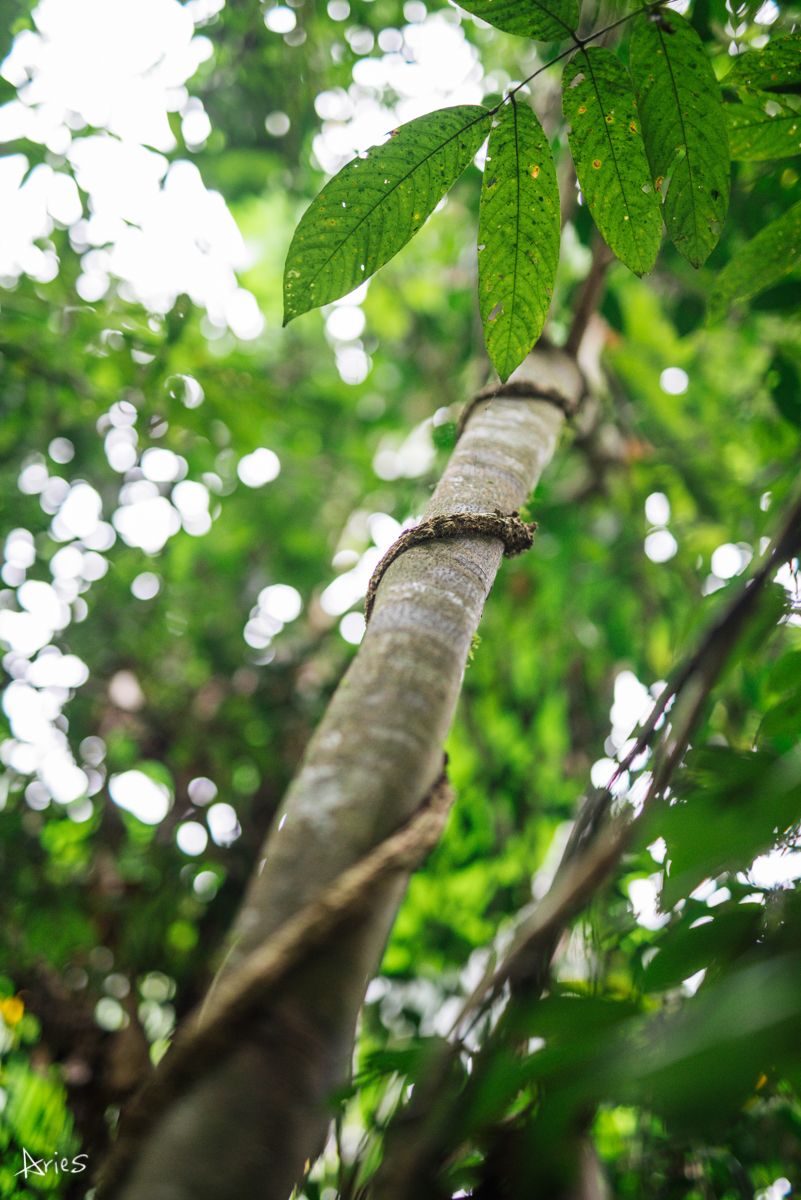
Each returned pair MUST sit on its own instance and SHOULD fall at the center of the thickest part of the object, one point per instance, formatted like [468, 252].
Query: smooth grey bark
[250, 1125]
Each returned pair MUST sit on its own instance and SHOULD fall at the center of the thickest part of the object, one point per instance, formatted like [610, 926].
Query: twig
[590, 294]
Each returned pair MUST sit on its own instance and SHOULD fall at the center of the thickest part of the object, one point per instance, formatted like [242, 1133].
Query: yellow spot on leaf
[535, 172]
[583, 109]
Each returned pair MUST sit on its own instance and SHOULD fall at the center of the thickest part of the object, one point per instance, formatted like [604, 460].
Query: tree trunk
[253, 1122]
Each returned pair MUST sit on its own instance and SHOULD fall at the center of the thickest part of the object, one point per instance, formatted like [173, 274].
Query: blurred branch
[589, 294]
[595, 845]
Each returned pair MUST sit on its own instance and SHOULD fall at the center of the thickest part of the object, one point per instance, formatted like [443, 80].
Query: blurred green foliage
[109, 932]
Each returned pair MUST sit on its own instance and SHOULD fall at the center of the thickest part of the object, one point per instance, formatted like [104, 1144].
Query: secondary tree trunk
[251, 1124]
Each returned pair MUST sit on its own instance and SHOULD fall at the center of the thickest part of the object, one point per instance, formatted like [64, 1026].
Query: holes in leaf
[646, 187]
[496, 312]
[483, 246]
[579, 79]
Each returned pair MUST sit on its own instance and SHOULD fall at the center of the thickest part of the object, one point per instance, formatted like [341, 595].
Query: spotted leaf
[376, 203]
[545, 20]
[518, 236]
[763, 129]
[775, 68]
[608, 151]
[684, 129]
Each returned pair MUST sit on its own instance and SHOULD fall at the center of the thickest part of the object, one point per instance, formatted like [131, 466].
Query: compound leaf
[756, 135]
[759, 264]
[376, 203]
[545, 20]
[609, 155]
[518, 236]
[776, 68]
[684, 127]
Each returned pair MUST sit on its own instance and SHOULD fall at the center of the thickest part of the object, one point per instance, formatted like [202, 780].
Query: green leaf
[545, 20]
[518, 236]
[785, 387]
[755, 135]
[735, 806]
[784, 720]
[609, 154]
[684, 950]
[684, 127]
[786, 672]
[376, 203]
[774, 69]
[763, 261]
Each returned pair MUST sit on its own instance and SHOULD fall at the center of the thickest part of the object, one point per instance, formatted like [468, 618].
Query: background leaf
[376, 204]
[688, 947]
[518, 236]
[610, 158]
[785, 388]
[769, 256]
[684, 128]
[550, 20]
[737, 805]
[775, 68]
[755, 135]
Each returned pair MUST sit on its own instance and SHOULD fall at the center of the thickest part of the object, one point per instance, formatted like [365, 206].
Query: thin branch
[589, 295]
[578, 44]
[726, 629]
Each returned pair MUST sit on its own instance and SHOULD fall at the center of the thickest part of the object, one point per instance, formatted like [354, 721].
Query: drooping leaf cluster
[651, 146]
